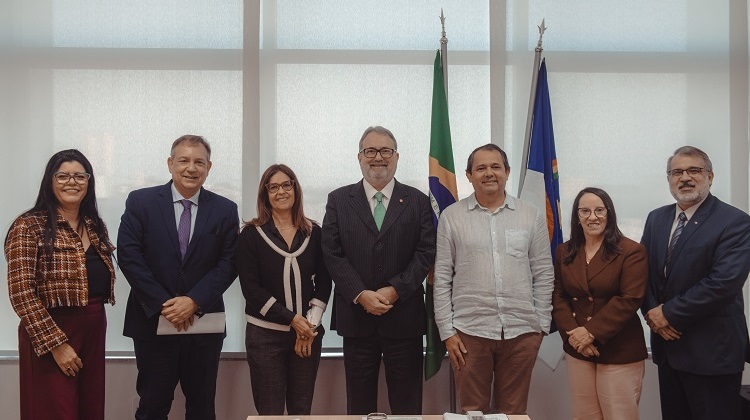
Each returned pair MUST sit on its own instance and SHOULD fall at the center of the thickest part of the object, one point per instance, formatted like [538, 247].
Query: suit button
[379, 244]
[588, 318]
[591, 299]
[575, 299]
[380, 267]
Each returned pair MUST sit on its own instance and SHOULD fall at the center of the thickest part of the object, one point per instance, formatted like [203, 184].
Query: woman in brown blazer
[600, 281]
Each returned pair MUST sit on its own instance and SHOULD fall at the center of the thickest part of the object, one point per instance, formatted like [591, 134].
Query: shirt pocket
[517, 243]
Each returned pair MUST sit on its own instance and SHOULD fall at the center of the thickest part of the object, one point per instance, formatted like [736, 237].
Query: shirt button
[574, 314]
[591, 299]
[575, 299]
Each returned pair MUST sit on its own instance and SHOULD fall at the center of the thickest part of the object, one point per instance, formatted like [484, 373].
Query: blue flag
[542, 186]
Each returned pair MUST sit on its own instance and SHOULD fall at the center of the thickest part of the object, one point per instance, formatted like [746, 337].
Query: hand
[668, 333]
[374, 303]
[456, 351]
[588, 350]
[579, 338]
[185, 324]
[178, 309]
[304, 328]
[303, 348]
[390, 293]
[655, 318]
[67, 359]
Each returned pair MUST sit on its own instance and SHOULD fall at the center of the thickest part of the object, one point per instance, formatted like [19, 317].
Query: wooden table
[425, 417]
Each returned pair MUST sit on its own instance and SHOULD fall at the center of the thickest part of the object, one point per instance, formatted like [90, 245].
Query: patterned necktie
[676, 235]
[183, 229]
[379, 212]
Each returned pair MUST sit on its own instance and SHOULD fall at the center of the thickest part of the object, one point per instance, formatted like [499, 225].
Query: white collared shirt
[493, 270]
[370, 194]
[179, 208]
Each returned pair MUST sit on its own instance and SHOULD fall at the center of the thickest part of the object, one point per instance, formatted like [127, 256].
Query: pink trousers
[603, 391]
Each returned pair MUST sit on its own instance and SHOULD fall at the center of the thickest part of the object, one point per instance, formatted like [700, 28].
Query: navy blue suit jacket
[149, 255]
[359, 257]
[702, 288]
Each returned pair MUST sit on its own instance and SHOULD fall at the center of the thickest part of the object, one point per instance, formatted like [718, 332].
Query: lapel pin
[400, 200]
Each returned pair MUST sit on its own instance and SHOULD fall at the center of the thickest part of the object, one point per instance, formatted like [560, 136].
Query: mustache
[687, 184]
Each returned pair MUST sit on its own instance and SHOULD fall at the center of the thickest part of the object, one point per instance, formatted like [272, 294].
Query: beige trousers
[604, 391]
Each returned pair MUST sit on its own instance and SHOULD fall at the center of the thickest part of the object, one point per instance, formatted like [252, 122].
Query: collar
[689, 212]
[510, 203]
[387, 190]
[176, 196]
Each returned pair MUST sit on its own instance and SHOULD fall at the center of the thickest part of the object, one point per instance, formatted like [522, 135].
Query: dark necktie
[379, 212]
[183, 229]
[676, 235]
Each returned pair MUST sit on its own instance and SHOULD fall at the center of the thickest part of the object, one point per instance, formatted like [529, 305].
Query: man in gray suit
[379, 244]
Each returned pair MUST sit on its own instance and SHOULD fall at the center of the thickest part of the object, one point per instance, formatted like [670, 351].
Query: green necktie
[379, 212]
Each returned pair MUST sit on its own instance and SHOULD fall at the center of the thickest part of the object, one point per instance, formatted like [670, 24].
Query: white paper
[207, 324]
[452, 416]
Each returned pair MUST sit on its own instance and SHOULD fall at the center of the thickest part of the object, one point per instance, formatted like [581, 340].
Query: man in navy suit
[176, 247]
[379, 244]
[699, 258]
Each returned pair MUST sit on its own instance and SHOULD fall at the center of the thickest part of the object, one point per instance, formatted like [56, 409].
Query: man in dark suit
[379, 244]
[176, 247]
[699, 258]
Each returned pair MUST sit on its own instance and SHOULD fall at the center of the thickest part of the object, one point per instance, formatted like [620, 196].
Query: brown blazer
[604, 297]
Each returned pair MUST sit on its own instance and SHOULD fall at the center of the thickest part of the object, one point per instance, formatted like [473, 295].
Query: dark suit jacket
[603, 297]
[360, 257]
[702, 288]
[149, 255]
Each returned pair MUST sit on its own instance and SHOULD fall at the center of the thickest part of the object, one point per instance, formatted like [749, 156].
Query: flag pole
[444, 64]
[532, 99]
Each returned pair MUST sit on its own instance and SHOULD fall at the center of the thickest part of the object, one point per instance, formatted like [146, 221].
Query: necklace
[279, 227]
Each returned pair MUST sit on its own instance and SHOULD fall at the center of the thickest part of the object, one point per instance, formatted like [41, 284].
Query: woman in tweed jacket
[60, 274]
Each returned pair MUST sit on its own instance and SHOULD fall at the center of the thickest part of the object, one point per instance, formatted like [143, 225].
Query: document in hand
[207, 324]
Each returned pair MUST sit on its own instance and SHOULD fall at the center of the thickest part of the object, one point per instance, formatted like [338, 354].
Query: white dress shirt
[370, 194]
[493, 270]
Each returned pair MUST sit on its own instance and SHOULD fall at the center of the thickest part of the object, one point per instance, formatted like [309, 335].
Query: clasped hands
[379, 301]
[305, 335]
[582, 340]
[179, 311]
[658, 323]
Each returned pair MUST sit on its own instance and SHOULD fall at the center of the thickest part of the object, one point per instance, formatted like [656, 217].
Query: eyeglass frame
[71, 175]
[381, 150]
[677, 173]
[274, 188]
[588, 212]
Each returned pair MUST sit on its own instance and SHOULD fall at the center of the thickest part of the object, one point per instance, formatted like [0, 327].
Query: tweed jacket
[37, 282]
[603, 296]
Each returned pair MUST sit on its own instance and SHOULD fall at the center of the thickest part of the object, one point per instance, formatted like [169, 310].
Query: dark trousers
[278, 376]
[46, 393]
[402, 358]
[191, 360]
[687, 396]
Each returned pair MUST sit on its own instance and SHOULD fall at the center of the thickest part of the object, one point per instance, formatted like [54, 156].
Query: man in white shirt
[493, 287]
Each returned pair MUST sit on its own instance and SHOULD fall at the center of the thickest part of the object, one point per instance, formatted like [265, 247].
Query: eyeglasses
[677, 173]
[79, 178]
[584, 213]
[286, 186]
[371, 152]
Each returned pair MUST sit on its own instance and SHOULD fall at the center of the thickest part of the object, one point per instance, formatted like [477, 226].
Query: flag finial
[443, 39]
[542, 28]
